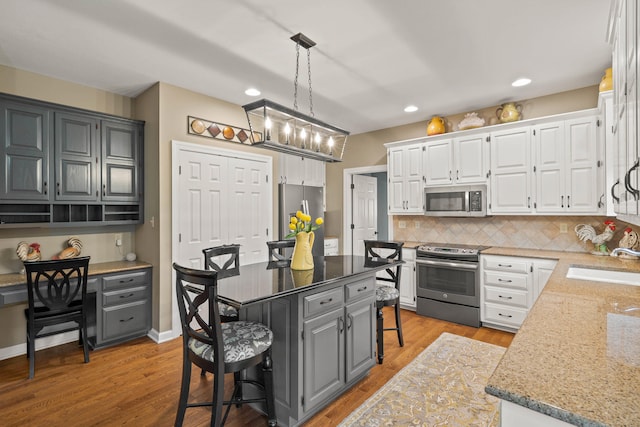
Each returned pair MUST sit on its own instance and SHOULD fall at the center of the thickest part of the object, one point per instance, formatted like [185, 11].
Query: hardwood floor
[138, 383]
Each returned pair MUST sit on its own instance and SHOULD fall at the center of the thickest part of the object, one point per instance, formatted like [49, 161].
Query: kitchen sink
[606, 276]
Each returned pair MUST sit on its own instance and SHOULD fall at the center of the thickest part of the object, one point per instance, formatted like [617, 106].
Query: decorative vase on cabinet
[509, 112]
[436, 126]
[607, 81]
[302, 258]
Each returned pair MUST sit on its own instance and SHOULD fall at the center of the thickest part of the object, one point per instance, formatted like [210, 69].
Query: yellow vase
[509, 112]
[436, 126]
[302, 258]
[607, 81]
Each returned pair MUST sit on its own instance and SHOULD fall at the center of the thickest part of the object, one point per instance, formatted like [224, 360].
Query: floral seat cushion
[227, 310]
[386, 293]
[242, 340]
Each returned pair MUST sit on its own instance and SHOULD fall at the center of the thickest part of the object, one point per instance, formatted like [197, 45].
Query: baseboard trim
[160, 337]
[46, 342]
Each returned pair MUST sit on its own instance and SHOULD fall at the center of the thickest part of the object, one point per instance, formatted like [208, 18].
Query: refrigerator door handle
[305, 207]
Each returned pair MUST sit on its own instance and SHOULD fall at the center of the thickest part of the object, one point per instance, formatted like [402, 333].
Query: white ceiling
[372, 58]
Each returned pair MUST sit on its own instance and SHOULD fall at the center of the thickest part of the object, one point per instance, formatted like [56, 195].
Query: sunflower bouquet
[302, 222]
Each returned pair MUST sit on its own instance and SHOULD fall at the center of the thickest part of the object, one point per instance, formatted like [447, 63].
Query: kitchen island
[323, 321]
[576, 358]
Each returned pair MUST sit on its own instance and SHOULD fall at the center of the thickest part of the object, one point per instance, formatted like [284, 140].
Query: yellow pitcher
[509, 112]
[436, 126]
[302, 258]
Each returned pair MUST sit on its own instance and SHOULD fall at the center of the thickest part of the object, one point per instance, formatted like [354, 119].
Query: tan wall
[99, 243]
[175, 104]
[367, 149]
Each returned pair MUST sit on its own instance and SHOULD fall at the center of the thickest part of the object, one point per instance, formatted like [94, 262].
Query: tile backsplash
[530, 232]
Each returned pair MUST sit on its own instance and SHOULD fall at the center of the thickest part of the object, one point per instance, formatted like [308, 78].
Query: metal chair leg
[380, 334]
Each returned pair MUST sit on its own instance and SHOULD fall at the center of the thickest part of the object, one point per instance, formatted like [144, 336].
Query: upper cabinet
[623, 35]
[63, 166]
[405, 179]
[301, 171]
[25, 131]
[459, 160]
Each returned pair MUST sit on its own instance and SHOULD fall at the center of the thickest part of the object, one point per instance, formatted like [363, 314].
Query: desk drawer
[357, 290]
[506, 296]
[123, 320]
[321, 302]
[510, 316]
[124, 296]
[507, 280]
[506, 264]
[125, 280]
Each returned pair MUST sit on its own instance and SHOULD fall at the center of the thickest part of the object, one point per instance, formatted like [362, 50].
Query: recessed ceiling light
[252, 91]
[521, 82]
[410, 109]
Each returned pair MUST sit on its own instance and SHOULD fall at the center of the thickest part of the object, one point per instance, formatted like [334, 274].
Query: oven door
[456, 282]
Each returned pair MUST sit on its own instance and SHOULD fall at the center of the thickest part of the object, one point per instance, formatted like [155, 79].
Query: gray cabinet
[123, 307]
[76, 157]
[63, 166]
[360, 338]
[25, 130]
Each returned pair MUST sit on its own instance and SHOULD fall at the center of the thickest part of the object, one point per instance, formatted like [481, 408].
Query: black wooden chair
[225, 260]
[219, 347]
[278, 255]
[386, 295]
[57, 293]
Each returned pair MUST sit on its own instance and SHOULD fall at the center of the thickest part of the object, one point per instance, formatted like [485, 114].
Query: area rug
[442, 386]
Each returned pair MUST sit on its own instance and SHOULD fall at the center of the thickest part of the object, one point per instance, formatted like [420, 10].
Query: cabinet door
[511, 171]
[313, 171]
[292, 169]
[542, 270]
[77, 157]
[439, 160]
[469, 159]
[324, 355]
[581, 160]
[24, 151]
[120, 161]
[549, 139]
[408, 284]
[413, 179]
[360, 337]
[395, 158]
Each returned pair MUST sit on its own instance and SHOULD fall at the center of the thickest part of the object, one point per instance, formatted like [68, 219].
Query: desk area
[323, 321]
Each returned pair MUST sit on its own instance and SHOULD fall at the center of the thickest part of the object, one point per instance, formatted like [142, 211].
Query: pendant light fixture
[276, 127]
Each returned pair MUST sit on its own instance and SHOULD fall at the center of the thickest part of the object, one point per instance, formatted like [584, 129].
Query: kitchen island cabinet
[323, 321]
[575, 358]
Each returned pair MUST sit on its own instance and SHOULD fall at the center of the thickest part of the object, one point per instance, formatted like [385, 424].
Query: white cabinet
[404, 169]
[624, 38]
[301, 171]
[510, 286]
[460, 160]
[566, 167]
[511, 171]
[551, 167]
[408, 280]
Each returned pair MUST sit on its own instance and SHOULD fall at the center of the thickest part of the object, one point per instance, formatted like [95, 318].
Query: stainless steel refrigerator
[293, 198]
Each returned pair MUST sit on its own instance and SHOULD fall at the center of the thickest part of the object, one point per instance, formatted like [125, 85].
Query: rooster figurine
[586, 232]
[73, 250]
[629, 240]
[28, 252]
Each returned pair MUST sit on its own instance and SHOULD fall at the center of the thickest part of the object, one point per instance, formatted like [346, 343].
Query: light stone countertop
[577, 355]
[12, 279]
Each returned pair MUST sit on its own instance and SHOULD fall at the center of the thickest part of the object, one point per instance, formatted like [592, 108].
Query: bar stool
[386, 295]
[228, 264]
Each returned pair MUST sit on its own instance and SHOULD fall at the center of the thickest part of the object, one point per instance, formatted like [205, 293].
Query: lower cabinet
[510, 286]
[123, 306]
[408, 280]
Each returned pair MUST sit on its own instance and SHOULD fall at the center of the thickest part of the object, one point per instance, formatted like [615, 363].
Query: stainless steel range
[448, 282]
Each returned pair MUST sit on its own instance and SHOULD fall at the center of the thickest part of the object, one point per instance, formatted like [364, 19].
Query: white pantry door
[221, 200]
[365, 211]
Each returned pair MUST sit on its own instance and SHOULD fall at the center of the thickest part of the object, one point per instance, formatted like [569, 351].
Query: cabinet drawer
[323, 301]
[123, 320]
[124, 296]
[128, 280]
[506, 264]
[507, 280]
[505, 296]
[355, 291]
[510, 316]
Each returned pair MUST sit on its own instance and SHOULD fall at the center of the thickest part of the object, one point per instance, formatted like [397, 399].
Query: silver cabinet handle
[504, 280]
[503, 297]
[562, 201]
[505, 315]
[505, 265]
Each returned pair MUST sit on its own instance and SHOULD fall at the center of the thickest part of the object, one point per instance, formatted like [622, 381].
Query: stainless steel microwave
[456, 201]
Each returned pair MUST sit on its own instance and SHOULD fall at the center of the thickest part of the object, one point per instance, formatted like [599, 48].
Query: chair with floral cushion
[225, 260]
[219, 347]
[386, 295]
[278, 253]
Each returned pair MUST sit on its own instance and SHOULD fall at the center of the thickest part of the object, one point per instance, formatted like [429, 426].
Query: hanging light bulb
[318, 139]
[303, 136]
[267, 126]
[330, 143]
[287, 131]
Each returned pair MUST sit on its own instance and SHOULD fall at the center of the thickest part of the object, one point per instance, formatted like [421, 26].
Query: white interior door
[365, 211]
